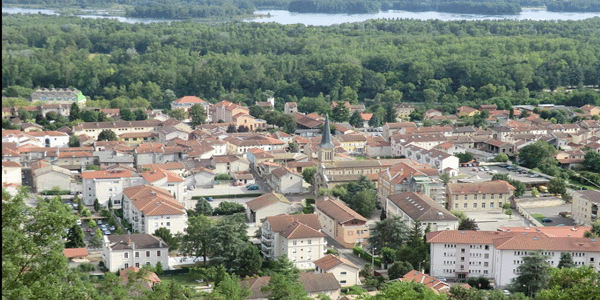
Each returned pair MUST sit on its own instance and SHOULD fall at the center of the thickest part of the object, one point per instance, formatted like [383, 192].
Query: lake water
[319, 19]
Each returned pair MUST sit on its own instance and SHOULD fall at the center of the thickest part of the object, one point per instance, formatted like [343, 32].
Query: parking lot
[478, 174]
[223, 189]
[492, 219]
[552, 212]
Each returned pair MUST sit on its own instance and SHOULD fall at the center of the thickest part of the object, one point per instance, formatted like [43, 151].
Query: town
[224, 198]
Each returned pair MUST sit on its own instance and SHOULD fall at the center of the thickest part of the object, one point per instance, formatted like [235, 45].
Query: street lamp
[373, 257]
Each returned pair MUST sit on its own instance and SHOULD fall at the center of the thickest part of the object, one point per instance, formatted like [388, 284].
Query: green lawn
[538, 217]
[188, 279]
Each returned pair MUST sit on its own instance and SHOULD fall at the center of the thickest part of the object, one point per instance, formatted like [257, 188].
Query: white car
[79, 222]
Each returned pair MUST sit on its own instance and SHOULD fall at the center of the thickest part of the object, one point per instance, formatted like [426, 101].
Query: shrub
[223, 177]
[88, 267]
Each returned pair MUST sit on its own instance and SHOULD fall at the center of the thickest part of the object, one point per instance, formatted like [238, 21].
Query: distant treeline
[334, 6]
[182, 10]
[460, 6]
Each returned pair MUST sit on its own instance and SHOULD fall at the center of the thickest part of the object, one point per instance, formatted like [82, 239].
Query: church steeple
[326, 137]
[326, 146]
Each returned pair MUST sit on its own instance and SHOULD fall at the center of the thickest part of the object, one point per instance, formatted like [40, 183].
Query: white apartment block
[297, 236]
[435, 158]
[107, 186]
[497, 255]
[119, 127]
[148, 208]
[123, 251]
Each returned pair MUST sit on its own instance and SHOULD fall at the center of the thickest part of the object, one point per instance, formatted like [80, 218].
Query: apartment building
[297, 236]
[342, 223]
[124, 251]
[170, 181]
[93, 129]
[344, 270]
[107, 186]
[410, 176]
[440, 160]
[584, 207]
[267, 205]
[487, 195]
[416, 207]
[148, 208]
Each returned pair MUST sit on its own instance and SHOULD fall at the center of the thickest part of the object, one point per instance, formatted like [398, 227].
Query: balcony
[267, 245]
[267, 237]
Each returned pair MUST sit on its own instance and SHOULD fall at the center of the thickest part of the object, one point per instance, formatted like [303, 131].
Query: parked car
[546, 220]
[92, 233]
[112, 228]
[253, 187]
[79, 222]
[90, 230]
[211, 199]
[99, 222]
[474, 169]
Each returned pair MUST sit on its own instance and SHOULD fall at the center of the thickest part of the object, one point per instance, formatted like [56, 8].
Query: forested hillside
[450, 63]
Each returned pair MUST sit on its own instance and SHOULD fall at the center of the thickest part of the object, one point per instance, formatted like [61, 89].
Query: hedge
[55, 193]
[366, 256]
[228, 196]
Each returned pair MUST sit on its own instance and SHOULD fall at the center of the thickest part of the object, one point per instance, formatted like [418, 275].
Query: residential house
[226, 110]
[489, 195]
[169, 132]
[584, 208]
[200, 178]
[390, 129]
[285, 181]
[148, 208]
[297, 236]
[290, 108]
[488, 107]
[157, 153]
[50, 138]
[438, 286]
[148, 282]
[239, 145]
[107, 186]
[49, 176]
[438, 159]
[353, 143]
[225, 164]
[466, 111]
[134, 138]
[113, 157]
[495, 146]
[430, 114]
[243, 178]
[404, 110]
[366, 118]
[591, 110]
[410, 176]
[267, 205]
[342, 223]
[377, 146]
[123, 251]
[314, 285]
[11, 173]
[167, 180]
[416, 207]
[187, 102]
[344, 270]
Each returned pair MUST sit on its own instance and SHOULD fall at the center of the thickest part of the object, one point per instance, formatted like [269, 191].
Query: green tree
[198, 240]
[120, 230]
[459, 292]
[158, 269]
[592, 161]
[534, 192]
[399, 269]
[340, 113]
[107, 135]
[251, 261]
[595, 231]
[229, 238]
[356, 120]
[308, 174]
[281, 287]
[557, 185]
[197, 114]
[33, 264]
[75, 237]
[508, 212]
[534, 274]
[468, 224]
[390, 113]
[97, 239]
[459, 214]
[566, 260]
[96, 205]
[501, 158]
[537, 154]
[75, 112]
[74, 141]
[228, 208]
[178, 114]
[391, 233]
[374, 121]
[203, 207]
[23, 114]
[230, 288]
[126, 114]
[92, 223]
[140, 114]
[464, 157]
[364, 202]
[166, 235]
[571, 283]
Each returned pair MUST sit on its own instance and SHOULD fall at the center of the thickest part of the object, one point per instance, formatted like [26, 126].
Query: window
[126, 255]
[147, 253]
[158, 253]
[137, 265]
[343, 273]
[294, 243]
[483, 196]
[482, 205]
[294, 250]
[474, 197]
[485, 264]
[492, 196]
[309, 242]
[342, 281]
[462, 250]
[491, 204]
[126, 265]
[137, 254]
[168, 223]
[466, 197]
[466, 205]
[456, 205]
[474, 205]
[486, 256]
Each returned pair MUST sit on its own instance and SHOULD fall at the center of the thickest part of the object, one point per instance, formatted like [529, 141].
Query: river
[320, 19]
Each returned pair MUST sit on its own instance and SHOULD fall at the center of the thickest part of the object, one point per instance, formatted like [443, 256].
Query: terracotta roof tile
[339, 211]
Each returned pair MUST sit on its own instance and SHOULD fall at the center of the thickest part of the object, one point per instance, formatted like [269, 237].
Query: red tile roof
[189, 99]
[106, 174]
[75, 252]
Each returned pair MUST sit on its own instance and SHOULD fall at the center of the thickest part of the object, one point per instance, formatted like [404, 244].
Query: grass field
[188, 279]
[538, 217]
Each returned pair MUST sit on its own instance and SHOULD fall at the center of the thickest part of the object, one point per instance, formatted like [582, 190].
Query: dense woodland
[183, 9]
[443, 64]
